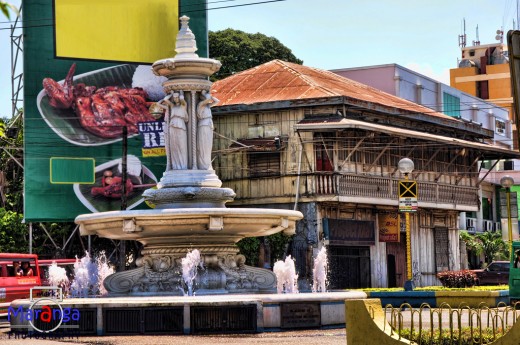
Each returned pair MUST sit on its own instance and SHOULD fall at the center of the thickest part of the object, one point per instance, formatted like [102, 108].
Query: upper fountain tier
[186, 71]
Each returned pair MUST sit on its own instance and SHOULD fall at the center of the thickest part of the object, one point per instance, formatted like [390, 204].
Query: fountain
[189, 201]
[286, 277]
[189, 237]
[319, 272]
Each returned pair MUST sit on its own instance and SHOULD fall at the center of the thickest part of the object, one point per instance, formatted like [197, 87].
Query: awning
[260, 144]
[488, 151]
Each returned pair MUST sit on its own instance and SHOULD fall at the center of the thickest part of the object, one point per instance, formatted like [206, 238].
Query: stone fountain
[189, 201]
[190, 214]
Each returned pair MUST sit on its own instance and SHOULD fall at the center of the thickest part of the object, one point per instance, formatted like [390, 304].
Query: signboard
[389, 227]
[58, 125]
[300, 315]
[513, 204]
[407, 196]
[117, 30]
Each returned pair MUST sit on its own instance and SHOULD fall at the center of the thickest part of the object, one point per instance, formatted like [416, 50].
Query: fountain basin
[168, 234]
[204, 314]
[188, 227]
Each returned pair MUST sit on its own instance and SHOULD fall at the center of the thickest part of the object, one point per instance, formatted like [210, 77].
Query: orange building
[484, 72]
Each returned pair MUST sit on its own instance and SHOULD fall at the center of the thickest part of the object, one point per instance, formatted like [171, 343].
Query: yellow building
[484, 72]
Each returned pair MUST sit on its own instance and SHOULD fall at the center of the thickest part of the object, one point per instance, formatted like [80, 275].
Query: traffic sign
[408, 196]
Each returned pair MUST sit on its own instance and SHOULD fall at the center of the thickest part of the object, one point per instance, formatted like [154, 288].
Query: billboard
[87, 80]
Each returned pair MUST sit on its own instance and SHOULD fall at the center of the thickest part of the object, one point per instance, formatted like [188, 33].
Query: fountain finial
[186, 46]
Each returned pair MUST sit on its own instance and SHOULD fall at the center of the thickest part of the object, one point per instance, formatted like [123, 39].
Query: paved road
[307, 337]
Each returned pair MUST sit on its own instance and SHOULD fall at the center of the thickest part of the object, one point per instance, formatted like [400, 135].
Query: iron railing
[461, 325]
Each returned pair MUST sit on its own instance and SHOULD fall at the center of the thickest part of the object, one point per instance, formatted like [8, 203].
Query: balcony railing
[386, 188]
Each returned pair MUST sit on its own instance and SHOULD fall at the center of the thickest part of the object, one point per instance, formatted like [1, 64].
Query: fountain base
[201, 314]
[162, 275]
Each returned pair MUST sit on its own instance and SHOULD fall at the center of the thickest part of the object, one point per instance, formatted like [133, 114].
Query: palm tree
[493, 246]
[488, 243]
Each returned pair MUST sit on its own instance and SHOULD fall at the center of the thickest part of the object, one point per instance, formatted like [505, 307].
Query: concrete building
[298, 137]
[413, 86]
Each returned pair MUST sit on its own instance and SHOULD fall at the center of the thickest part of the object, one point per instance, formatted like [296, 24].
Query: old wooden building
[291, 136]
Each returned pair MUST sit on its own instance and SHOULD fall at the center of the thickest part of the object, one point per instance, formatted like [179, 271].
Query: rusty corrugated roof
[284, 81]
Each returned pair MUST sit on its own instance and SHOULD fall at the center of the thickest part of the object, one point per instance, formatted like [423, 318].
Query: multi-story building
[483, 71]
[291, 136]
[467, 106]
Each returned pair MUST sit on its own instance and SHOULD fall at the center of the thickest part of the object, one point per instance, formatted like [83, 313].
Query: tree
[488, 243]
[5, 7]
[238, 51]
[493, 246]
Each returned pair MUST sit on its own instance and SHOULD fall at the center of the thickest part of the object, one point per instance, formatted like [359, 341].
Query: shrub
[457, 279]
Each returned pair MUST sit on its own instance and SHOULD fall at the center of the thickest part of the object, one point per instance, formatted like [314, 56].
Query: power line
[183, 12]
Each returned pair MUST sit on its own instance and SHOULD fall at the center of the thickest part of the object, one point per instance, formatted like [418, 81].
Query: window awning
[488, 151]
[259, 144]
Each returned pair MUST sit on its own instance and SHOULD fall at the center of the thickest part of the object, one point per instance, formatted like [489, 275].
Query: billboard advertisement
[88, 87]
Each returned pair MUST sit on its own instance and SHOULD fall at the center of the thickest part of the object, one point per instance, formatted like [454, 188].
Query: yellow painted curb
[365, 322]
[365, 325]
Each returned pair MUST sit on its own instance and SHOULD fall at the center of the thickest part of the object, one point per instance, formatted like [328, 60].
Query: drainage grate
[85, 325]
[144, 321]
[119, 320]
[224, 319]
[163, 320]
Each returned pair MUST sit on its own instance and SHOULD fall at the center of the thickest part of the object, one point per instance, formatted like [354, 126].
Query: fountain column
[189, 201]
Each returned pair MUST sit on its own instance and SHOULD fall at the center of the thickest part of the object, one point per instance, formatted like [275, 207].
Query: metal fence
[427, 325]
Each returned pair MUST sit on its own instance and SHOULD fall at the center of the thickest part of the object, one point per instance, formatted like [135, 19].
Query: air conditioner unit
[470, 223]
[488, 225]
[497, 226]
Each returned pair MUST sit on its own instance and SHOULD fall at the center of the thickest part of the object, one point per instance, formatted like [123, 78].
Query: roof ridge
[303, 77]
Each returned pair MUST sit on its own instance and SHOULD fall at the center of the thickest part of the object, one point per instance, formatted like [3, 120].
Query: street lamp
[406, 166]
[507, 182]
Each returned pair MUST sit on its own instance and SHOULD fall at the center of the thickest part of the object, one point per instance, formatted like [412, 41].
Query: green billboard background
[44, 139]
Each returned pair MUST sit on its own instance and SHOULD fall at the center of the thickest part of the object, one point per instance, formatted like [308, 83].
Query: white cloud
[442, 75]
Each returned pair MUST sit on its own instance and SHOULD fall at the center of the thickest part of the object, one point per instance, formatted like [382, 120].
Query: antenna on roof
[477, 42]
[462, 38]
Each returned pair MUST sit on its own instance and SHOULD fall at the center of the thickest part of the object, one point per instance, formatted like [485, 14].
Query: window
[263, 164]
[500, 127]
[451, 104]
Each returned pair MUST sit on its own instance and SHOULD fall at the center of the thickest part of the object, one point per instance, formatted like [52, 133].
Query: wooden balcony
[349, 188]
[376, 187]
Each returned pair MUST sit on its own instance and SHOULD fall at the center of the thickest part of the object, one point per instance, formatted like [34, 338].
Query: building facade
[462, 103]
[296, 137]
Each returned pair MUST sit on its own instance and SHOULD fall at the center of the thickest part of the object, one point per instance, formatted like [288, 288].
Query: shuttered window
[263, 164]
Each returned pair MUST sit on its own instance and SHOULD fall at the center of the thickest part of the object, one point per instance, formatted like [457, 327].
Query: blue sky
[332, 34]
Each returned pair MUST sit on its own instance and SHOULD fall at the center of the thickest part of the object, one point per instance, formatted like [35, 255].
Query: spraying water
[57, 276]
[319, 272]
[189, 268]
[85, 277]
[286, 277]
[89, 275]
[103, 271]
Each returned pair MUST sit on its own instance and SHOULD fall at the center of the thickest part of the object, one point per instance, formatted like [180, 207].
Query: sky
[334, 34]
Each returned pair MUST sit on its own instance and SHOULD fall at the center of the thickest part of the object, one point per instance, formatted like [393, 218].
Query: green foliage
[278, 243]
[5, 7]
[488, 243]
[12, 232]
[467, 336]
[441, 288]
[249, 247]
[238, 51]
